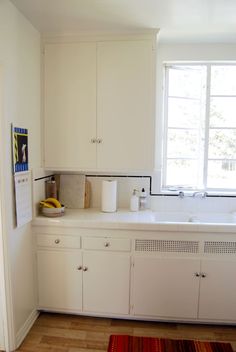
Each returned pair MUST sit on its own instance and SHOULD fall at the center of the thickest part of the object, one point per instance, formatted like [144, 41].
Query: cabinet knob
[99, 140]
[93, 140]
[197, 274]
[79, 267]
[57, 241]
[85, 268]
[203, 275]
[107, 244]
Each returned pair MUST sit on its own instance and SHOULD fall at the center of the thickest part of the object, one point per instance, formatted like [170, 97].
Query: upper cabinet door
[70, 105]
[125, 105]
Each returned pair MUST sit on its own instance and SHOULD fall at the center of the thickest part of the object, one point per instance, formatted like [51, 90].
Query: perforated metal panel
[167, 246]
[219, 247]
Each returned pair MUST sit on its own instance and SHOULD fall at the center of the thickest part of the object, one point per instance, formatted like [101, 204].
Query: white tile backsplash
[125, 186]
[190, 204]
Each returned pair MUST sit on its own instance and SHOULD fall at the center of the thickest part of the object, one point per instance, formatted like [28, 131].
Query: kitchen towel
[109, 196]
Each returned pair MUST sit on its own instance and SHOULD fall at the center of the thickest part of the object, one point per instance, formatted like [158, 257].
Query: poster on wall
[20, 149]
[22, 176]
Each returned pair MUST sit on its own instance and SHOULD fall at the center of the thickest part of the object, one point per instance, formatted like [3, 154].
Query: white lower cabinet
[165, 287]
[165, 278]
[217, 300]
[83, 280]
[185, 288]
[59, 280]
[106, 282]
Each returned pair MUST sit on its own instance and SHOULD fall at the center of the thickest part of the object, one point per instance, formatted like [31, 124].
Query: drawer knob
[85, 268]
[79, 267]
[107, 244]
[57, 241]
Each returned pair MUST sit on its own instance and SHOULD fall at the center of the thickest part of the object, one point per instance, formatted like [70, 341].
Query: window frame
[173, 189]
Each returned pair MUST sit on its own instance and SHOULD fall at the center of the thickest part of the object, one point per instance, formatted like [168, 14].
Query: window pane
[223, 80]
[184, 112]
[223, 112]
[183, 143]
[182, 173]
[187, 81]
[186, 146]
[222, 144]
[221, 174]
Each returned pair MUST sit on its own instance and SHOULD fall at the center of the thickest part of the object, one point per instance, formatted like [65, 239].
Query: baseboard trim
[21, 334]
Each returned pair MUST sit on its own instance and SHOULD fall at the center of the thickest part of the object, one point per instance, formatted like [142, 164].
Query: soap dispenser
[143, 199]
[134, 201]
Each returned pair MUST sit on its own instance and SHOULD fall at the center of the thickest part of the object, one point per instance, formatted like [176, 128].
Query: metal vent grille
[219, 247]
[167, 246]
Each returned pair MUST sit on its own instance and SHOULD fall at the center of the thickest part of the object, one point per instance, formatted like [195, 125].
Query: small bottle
[134, 201]
[143, 199]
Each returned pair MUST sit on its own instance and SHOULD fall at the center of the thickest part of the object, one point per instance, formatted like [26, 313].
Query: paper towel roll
[109, 191]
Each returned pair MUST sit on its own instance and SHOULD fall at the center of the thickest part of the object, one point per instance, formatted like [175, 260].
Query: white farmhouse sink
[171, 217]
[180, 217]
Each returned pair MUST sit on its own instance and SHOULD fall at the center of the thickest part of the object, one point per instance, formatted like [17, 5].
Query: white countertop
[127, 220]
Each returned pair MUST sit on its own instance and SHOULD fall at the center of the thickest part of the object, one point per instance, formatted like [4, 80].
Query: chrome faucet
[199, 194]
[181, 194]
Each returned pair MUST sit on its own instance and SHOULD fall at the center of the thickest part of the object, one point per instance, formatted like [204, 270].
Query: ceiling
[178, 20]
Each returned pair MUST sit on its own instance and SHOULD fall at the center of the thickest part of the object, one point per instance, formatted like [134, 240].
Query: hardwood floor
[71, 333]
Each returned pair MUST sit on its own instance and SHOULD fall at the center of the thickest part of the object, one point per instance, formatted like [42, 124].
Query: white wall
[20, 60]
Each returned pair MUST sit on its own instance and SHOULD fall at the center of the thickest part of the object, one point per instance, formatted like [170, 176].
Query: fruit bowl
[53, 212]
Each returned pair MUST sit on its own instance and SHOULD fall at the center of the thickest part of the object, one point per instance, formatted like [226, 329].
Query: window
[199, 147]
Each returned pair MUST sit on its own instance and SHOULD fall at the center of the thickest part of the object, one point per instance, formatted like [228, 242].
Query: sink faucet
[199, 194]
[181, 194]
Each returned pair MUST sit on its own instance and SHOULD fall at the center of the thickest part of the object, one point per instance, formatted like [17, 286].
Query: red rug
[125, 343]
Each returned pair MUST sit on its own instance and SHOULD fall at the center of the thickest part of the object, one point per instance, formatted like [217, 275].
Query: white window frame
[168, 189]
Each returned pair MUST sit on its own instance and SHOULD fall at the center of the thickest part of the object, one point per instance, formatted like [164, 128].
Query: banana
[54, 202]
[45, 204]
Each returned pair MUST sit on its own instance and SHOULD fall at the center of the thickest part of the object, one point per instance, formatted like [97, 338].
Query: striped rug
[126, 343]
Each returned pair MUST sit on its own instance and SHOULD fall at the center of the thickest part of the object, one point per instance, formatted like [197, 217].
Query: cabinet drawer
[106, 244]
[58, 241]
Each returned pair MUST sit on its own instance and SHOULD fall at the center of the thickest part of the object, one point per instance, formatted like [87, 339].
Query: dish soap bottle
[143, 199]
[134, 201]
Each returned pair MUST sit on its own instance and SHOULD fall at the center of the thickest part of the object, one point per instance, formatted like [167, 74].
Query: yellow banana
[54, 202]
[46, 205]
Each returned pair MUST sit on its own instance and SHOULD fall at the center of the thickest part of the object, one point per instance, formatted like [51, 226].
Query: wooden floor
[71, 333]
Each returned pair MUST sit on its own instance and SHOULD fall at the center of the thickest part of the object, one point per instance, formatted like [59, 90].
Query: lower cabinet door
[166, 287]
[218, 290]
[106, 278]
[59, 279]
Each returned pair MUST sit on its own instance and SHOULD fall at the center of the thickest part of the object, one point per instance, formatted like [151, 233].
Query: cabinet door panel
[166, 287]
[125, 101]
[218, 290]
[59, 280]
[70, 105]
[106, 283]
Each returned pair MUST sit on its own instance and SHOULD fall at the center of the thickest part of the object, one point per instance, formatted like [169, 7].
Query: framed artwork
[20, 149]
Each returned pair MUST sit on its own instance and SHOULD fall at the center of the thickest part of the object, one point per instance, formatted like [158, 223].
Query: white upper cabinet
[125, 105]
[99, 105]
[70, 105]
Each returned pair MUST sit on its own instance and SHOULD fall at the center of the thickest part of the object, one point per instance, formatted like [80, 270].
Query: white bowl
[53, 212]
